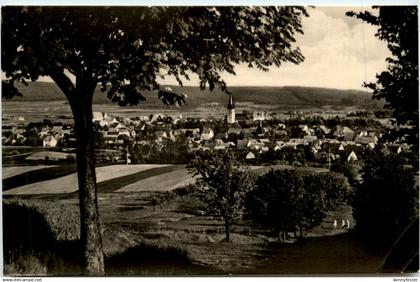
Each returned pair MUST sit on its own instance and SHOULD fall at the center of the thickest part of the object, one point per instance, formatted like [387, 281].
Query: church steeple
[230, 105]
[230, 117]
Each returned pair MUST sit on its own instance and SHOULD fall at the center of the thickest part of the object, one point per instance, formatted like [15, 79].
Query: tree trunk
[80, 100]
[90, 232]
[227, 231]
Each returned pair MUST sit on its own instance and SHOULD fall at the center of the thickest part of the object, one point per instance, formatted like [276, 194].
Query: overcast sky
[340, 52]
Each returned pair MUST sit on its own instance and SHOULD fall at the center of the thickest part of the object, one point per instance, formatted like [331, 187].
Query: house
[365, 140]
[281, 126]
[352, 157]
[196, 133]
[144, 118]
[331, 141]
[264, 140]
[338, 132]
[207, 133]
[324, 129]
[370, 146]
[242, 143]
[221, 136]
[395, 148]
[258, 116]
[309, 139]
[124, 131]
[219, 145]
[264, 149]
[279, 145]
[157, 118]
[255, 144]
[49, 141]
[160, 135]
[110, 136]
[250, 156]
[44, 132]
[363, 133]
[294, 142]
[348, 134]
[305, 129]
[230, 144]
[104, 123]
[279, 132]
[99, 116]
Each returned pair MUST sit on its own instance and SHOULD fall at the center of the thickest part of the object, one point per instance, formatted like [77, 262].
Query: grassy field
[147, 233]
[36, 177]
[161, 182]
[114, 178]
[16, 170]
[149, 228]
[116, 184]
[34, 182]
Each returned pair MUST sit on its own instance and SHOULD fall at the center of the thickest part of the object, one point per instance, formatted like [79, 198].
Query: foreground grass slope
[166, 233]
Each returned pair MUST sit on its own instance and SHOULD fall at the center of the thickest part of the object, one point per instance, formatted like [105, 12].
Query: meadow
[162, 233]
[163, 230]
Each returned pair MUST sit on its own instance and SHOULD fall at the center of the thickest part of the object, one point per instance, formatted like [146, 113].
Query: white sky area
[340, 52]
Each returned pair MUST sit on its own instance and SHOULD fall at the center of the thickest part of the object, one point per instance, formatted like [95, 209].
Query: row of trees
[384, 201]
[280, 200]
[285, 201]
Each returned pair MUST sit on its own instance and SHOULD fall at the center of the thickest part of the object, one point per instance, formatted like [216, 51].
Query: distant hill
[283, 97]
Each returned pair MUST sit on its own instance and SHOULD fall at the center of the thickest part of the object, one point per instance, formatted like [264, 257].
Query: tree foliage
[399, 84]
[223, 185]
[274, 201]
[387, 200]
[126, 49]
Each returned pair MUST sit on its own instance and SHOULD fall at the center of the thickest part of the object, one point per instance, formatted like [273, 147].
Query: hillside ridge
[286, 96]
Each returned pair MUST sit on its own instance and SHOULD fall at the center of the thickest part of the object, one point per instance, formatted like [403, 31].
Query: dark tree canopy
[399, 84]
[127, 48]
[284, 200]
[387, 200]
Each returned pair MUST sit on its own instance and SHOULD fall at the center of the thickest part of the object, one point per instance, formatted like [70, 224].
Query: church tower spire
[230, 118]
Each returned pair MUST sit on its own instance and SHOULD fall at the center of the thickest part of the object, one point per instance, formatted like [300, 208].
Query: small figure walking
[348, 224]
[343, 223]
[335, 223]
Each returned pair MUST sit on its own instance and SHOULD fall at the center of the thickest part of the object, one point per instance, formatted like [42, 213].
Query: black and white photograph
[211, 141]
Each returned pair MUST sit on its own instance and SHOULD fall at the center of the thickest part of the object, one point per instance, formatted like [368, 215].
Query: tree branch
[63, 82]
